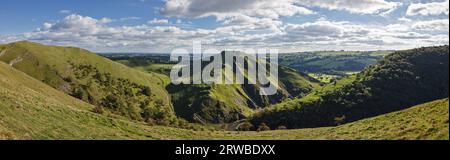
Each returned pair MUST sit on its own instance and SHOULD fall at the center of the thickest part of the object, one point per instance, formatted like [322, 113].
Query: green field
[333, 63]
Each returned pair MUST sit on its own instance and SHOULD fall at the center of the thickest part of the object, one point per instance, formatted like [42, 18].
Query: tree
[146, 91]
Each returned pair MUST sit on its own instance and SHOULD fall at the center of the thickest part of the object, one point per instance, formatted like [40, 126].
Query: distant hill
[332, 62]
[402, 79]
[109, 85]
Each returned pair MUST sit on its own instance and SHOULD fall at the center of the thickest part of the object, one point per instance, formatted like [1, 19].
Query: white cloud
[65, 11]
[353, 6]
[227, 8]
[75, 22]
[159, 21]
[130, 18]
[404, 19]
[238, 31]
[106, 20]
[428, 9]
[432, 25]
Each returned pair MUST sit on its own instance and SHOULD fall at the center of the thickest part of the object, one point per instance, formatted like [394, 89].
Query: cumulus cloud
[75, 22]
[229, 8]
[237, 31]
[353, 6]
[428, 9]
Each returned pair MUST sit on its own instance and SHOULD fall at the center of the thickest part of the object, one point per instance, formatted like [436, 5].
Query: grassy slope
[402, 79]
[234, 96]
[50, 64]
[427, 121]
[314, 95]
[30, 109]
[57, 58]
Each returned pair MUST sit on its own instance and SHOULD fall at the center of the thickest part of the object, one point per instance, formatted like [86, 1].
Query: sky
[160, 26]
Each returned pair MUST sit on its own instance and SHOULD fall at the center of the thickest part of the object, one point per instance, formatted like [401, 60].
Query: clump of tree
[401, 80]
[118, 96]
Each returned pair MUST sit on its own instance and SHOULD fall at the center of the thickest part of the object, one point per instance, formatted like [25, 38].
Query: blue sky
[287, 25]
[25, 15]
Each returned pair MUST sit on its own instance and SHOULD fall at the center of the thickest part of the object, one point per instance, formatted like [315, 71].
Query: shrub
[150, 121]
[339, 120]
[282, 128]
[146, 91]
[263, 127]
[98, 110]
[246, 126]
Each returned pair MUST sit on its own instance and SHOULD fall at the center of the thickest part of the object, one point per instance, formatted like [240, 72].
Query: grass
[331, 61]
[53, 65]
[43, 62]
[314, 95]
[29, 109]
[234, 97]
[325, 78]
[331, 87]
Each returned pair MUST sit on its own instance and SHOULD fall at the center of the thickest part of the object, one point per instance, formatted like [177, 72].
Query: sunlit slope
[227, 103]
[29, 109]
[91, 78]
[423, 122]
[402, 79]
[427, 121]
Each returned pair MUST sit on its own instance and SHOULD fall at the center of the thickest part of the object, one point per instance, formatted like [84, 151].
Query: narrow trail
[2, 52]
[235, 125]
[15, 61]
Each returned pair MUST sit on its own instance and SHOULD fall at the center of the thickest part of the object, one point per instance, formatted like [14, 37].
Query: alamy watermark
[248, 66]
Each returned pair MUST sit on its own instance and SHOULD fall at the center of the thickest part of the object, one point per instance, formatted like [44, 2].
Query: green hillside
[222, 103]
[106, 84]
[34, 108]
[402, 79]
[29, 109]
[427, 121]
[144, 96]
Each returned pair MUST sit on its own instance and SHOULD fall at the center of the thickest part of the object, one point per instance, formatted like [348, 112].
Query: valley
[51, 92]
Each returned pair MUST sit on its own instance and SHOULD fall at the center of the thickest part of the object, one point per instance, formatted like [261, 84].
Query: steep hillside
[224, 103]
[99, 81]
[427, 121]
[402, 79]
[29, 109]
